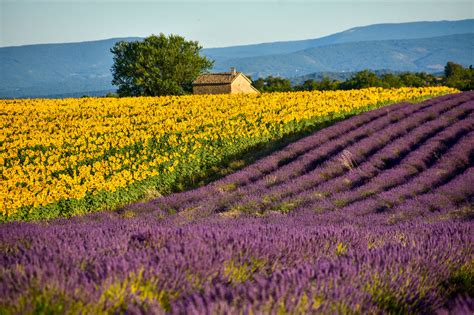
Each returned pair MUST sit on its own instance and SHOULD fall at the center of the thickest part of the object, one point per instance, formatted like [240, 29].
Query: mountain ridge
[84, 67]
[421, 55]
[374, 30]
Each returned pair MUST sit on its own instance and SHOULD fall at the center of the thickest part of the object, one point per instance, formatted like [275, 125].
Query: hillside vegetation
[454, 75]
[370, 215]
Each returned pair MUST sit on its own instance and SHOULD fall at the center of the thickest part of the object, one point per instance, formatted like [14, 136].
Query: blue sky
[212, 23]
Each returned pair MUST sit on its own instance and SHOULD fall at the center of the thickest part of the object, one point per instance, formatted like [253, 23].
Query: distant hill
[51, 69]
[84, 68]
[410, 30]
[427, 54]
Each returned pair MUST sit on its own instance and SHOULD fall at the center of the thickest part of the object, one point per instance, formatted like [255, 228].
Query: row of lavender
[371, 215]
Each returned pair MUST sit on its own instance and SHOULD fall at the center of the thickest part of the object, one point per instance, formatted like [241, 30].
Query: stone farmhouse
[223, 83]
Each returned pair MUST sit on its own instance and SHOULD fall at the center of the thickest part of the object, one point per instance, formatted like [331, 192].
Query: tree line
[454, 75]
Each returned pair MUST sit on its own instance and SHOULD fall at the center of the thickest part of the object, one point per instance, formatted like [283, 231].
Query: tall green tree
[277, 84]
[362, 79]
[259, 84]
[459, 77]
[158, 65]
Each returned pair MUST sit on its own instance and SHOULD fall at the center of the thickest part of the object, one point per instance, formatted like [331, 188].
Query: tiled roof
[216, 78]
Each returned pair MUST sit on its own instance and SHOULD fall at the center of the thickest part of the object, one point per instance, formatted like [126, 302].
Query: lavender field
[371, 215]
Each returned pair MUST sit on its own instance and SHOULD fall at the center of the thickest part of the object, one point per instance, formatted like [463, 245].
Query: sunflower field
[64, 157]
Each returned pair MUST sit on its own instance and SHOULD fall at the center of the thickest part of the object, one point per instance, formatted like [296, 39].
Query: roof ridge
[216, 78]
[229, 73]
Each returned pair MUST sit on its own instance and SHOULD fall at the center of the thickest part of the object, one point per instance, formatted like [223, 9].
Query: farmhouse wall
[241, 85]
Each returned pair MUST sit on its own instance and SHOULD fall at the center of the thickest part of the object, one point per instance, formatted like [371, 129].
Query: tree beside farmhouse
[157, 65]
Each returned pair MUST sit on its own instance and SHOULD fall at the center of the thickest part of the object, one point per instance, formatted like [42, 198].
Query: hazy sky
[212, 23]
